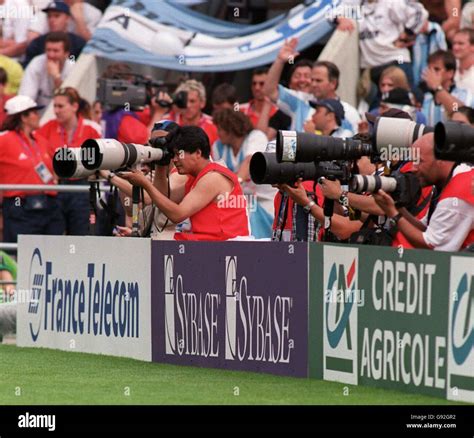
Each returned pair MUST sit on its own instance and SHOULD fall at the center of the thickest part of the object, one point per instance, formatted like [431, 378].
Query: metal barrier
[49, 188]
[40, 188]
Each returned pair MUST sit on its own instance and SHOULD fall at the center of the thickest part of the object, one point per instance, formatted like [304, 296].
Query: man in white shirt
[45, 73]
[443, 97]
[463, 50]
[85, 19]
[16, 16]
[450, 220]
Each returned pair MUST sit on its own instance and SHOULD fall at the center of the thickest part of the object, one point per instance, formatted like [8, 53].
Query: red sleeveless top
[221, 220]
[460, 187]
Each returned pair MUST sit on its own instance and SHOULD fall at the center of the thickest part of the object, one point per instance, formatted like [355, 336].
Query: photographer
[342, 227]
[211, 197]
[450, 220]
[152, 222]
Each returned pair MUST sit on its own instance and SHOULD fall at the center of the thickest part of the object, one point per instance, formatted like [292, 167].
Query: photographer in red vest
[211, 198]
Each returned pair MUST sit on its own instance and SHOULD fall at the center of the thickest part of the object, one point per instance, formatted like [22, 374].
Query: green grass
[46, 376]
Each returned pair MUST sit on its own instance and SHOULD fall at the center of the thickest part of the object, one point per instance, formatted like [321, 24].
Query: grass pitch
[33, 376]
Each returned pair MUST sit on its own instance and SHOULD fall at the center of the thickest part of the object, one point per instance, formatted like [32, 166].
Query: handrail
[49, 188]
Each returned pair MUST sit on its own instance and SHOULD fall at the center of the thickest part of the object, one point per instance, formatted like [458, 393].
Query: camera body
[180, 99]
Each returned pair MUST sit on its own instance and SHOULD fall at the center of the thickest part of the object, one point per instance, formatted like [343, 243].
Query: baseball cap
[397, 96]
[19, 104]
[57, 6]
[332, 105]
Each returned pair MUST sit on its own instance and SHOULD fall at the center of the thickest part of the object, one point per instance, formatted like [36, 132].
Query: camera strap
[282, 217]
[93, 197]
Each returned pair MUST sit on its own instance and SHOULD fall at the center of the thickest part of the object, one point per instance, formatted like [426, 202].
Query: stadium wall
[387, 318]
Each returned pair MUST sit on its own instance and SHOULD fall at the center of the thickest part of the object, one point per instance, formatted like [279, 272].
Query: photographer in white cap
[24, 159]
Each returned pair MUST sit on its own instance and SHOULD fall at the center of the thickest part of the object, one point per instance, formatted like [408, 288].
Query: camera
[405, 188]
[391, 139]
[454, 142]
[110, 154]
[134, 90]
[265, 169]
[180, 99]
[67, 163]
[292, 146]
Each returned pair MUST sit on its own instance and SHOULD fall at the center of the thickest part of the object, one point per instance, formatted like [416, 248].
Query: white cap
[18, 104]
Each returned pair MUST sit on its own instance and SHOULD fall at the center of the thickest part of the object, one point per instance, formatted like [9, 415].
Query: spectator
[46, 72]
[14, 72]
[253, 108]
[467, 19]
[212, 197]
[96, 112]
[14, 29]
[71, 130]
[464, 115]
[3, 96]
[327, 118]
[443, 97]
[224, 96]
[427, 42]
[238, 142]
[192, 115]
[300, 80]
[84, 19]
[386, 31]
[325, 80]
[450, 221]
[463, 50]
[24, 159]
[58, 19]
[445, 12]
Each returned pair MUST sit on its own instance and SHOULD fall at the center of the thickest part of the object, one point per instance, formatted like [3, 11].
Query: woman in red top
[69, 129]
[24, 159]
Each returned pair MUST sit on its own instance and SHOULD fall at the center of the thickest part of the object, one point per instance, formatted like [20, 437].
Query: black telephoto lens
[454, 142]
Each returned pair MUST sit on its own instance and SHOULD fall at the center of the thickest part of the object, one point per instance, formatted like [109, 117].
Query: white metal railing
[49, 188]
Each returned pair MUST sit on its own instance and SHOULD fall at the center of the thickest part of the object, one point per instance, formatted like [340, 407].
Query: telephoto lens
[392, 137]
[110, 154]
[265, 169]
[372, 183]
[454, 142]
[302, 147]
[67, 164]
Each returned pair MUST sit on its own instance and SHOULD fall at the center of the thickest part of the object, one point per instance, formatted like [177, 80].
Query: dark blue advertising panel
[232, 305]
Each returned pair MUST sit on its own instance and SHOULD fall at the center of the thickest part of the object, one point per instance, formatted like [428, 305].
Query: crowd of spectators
[417, 62]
